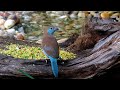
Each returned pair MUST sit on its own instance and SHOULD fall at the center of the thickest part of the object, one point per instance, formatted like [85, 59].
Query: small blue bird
[50, 48]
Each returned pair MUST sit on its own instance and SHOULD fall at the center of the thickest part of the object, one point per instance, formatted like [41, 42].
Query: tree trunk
[91, 62]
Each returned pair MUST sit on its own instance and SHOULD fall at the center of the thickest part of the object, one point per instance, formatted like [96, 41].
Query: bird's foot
[60, 58]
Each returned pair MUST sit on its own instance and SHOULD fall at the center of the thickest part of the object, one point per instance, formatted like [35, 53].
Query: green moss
[27, 52]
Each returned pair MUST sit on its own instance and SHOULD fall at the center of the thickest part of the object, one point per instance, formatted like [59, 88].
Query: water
[67, 26]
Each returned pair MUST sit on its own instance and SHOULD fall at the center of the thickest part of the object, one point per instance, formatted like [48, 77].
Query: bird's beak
[56, 28]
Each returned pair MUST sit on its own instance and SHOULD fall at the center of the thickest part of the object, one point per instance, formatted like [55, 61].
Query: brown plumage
[51, 42]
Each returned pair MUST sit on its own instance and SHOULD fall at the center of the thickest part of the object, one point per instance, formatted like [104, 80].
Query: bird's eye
[51, 28]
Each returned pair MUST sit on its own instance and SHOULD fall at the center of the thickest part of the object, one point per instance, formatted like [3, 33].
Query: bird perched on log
[50, 48]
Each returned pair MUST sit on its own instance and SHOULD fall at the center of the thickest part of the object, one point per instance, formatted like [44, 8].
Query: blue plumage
[54, 66]
[51, 30]
[51, 48]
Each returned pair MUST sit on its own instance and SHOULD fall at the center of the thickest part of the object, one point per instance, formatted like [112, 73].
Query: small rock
[73, 16]
[2, 32]
[34, 22]
[48, 12]
[11, 12]
[15, 18]
[9, 23]
[117, 18]
[5, 35]
[2, 21]
[105, 15]
[11, 32]
[6, 14]
[115, 15]
[81, 14]
[75, 12]
[19, 36]
[52, 15]
[19, 14]
[2, 27]
[21, 30]
[62, 40]
[23, 24]
[32, 38]
[1, 17]
[39, 41]
[66, 12]
[62, 17]
[26, 18]
[1, 13]
[60, 12]
[27, 12]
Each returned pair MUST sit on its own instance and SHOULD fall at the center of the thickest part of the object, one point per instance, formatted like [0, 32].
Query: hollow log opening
[98, 50]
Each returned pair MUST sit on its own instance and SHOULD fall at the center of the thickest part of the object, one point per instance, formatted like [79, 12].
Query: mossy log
[92, 61]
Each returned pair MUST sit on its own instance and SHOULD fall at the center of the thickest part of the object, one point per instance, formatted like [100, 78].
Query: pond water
[67, 26]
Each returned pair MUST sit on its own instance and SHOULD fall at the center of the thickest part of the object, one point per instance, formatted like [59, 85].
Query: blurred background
[30, 23]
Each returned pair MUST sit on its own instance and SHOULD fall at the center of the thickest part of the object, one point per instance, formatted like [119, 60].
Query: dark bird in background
[50, 48]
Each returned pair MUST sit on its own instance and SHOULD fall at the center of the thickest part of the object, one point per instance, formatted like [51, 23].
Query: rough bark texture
[95, 29]
[102, 55]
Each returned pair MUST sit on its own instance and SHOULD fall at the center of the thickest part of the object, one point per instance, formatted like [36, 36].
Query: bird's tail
[54, 66]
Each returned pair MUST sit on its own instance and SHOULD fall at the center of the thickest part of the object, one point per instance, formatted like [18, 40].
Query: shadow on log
[99, 56]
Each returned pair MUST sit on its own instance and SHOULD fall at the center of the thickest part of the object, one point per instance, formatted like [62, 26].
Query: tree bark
[91, 62]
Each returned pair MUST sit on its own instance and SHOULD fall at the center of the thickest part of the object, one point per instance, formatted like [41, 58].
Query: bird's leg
[61, 60]
[46, 61]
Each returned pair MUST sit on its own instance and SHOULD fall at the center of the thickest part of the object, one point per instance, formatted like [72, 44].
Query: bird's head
[51, 30]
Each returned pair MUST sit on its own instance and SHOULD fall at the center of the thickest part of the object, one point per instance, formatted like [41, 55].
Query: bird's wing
[50, 51]
[50, 47]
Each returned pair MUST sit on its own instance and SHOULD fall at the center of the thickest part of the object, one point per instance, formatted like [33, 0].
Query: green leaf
[26, 74]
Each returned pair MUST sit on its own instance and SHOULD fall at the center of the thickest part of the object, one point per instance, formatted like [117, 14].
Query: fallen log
[102, 56]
